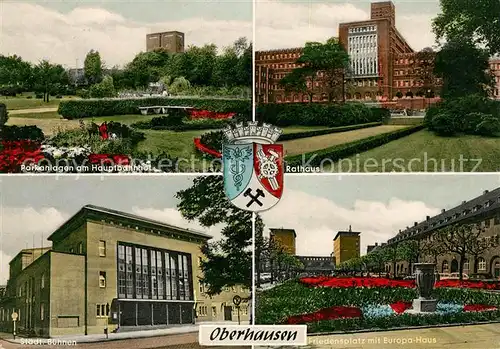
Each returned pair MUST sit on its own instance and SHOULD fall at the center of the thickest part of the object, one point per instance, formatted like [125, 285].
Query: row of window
[451, 218]
[145, 273]
[281, 56]
[202, 311]
[365, 29]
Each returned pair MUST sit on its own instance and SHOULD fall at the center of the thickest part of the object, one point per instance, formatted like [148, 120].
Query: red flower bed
[384, 282]
[13, 154]
[204, 149]
[401, 307]
[468, 284]
[356, 282]
[478, 307]
[337, 312]
[206, 114]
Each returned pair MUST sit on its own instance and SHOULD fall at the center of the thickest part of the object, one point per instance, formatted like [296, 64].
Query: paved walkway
[456, 337]
[310, 144]
[32, 111]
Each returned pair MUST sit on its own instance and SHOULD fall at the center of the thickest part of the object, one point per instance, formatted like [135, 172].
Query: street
[176, 341]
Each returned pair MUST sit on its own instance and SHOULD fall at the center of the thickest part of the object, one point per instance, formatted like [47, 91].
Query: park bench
[160, 109]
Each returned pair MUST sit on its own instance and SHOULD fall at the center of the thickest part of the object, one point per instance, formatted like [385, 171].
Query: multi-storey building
[383, 65]
[285, 238]
[110, 269]
[483, 210]
[495, 70]
[346, 245]
[171, 41]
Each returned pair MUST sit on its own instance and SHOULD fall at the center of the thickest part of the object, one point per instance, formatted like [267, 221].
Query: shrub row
[74, 109]
[305, 134]
[315, 114]
[17, 133]
[348, 149]
[472, 114]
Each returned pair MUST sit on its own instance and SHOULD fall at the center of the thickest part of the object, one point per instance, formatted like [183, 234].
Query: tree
[147, 67]
[432, 248]
[424, 70]
[93, 67]
[261, 245]
[375, 261]
[49, 77]
[15, 72]
[463, 239]
[4, 116]
[327, 62]
[391, 256]
[179, 85]
[464, 69]
[227, 262]
[409, 251]
[477, 19]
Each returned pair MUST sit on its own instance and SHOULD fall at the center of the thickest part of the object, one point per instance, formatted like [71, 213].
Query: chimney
[464, 202]
[486, 192]
[400, 231]
[376, 244]
[443, 210]
[427, 218]
[415, 224]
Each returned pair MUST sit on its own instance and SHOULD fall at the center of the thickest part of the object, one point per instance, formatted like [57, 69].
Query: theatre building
[107, 269]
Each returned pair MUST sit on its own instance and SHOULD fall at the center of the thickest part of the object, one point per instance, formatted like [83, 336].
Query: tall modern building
[110, 269]
[171, 41]
[383, 65]
[483, 210]
[346, 245]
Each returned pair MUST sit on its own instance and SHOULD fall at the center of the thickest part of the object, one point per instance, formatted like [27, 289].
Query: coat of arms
[253, 166]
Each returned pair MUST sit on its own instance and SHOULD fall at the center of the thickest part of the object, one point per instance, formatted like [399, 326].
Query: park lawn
[430, 153]
[296, 129]
[21, 102]
[36, 115]
[310, 144]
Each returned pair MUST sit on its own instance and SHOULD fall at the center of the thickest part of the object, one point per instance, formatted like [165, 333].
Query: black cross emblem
[254, 198]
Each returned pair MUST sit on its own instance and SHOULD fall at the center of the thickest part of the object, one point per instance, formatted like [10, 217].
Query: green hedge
[17, 133]
[86, 108]
[316, 114]
[342, 151]
[305, 134]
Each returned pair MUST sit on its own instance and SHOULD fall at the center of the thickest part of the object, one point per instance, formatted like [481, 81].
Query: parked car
[444, 276]
[456, 276]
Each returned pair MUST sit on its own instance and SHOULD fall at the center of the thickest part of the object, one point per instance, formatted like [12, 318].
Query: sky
[63, 31]
[33, 207]
[292, 23]
[375, 205]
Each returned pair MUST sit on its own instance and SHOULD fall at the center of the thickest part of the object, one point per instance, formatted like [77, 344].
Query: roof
[348, 233]
[97, 212]
[30, 251]
[481, 207]
[275, 230]
[317, 262]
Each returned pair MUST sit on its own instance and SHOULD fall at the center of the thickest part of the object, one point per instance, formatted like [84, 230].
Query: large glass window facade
[149, 273]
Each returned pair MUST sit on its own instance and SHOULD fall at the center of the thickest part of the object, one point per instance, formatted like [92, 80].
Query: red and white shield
[265, 183]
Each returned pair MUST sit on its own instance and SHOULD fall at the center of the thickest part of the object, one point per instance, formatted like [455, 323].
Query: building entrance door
[496, 270]
[454, 266]
[228, 313]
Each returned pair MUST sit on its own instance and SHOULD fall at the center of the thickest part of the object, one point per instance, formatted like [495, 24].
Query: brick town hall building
[110, 269]
[382, 62]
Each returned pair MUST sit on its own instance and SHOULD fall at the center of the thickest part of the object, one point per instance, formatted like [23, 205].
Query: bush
[4, 115]
[213, 140]
[105, 88]
[316, 114]
[464, 115]
[29, 97]
[348, 149]
[108, 107]
[17, 133]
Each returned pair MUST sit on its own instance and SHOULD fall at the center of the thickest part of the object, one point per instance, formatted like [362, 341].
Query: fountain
[425, 278]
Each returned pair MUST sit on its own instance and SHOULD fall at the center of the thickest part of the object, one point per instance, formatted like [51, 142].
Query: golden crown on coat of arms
[252, 133]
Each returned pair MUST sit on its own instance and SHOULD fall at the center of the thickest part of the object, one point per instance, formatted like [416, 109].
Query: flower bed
[350, 304]
[195, 114]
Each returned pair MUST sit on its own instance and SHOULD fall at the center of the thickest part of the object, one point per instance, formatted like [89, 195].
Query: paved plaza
[456, 337]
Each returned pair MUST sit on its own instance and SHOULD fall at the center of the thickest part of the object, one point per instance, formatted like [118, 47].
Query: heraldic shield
[253, 175]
